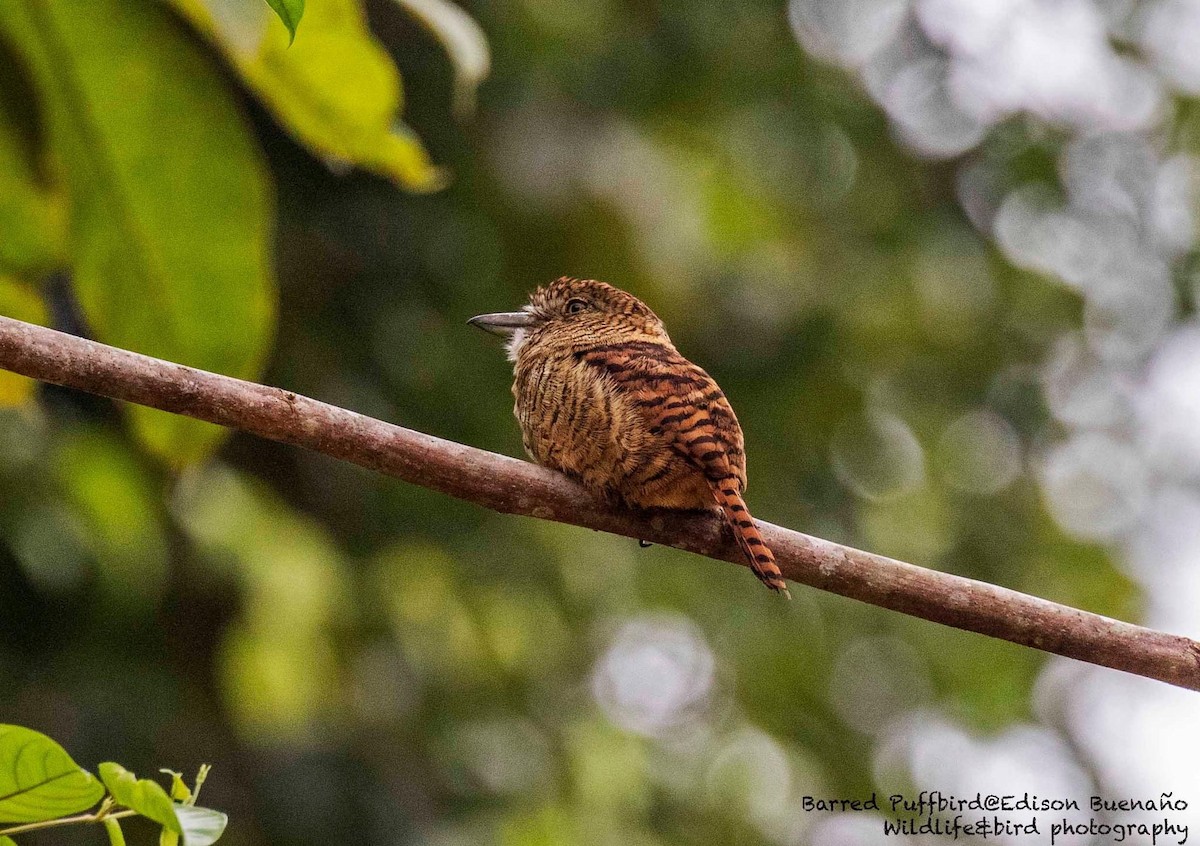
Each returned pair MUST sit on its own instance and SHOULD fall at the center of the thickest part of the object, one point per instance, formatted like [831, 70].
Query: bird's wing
[685, 406]
[679, 402]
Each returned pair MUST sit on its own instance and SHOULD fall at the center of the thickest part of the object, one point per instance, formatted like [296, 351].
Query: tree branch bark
[511, 486]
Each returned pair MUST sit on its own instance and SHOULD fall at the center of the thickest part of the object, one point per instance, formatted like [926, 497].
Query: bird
[603, 396]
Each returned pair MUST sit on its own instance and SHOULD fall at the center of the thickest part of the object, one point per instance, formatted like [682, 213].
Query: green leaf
[22, 303]
[464, 42]
[169, 202]
[290, 12]
[7, 841]
[179, 788]
[38, 779]
[336, 91]
[142, 795]
[201, 826]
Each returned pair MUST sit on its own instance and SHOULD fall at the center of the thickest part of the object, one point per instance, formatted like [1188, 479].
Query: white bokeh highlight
[1115, 226]
[656, 676]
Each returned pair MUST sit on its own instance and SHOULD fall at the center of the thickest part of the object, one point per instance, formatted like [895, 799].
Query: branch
[517, 487]
[100, 816]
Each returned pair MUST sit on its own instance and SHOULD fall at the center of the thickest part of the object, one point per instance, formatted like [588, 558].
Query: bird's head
[573, 314]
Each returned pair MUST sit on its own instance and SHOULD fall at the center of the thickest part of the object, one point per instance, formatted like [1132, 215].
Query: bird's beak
[504, 323]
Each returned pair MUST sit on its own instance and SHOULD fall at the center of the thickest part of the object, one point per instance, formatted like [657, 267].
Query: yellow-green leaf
[38, 779]
[142, 795]
[169, 201]
[179, 788]
[116, 837]
[21, 302]
[336, 90]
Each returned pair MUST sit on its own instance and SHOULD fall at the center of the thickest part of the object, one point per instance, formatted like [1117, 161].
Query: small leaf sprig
[42, 787]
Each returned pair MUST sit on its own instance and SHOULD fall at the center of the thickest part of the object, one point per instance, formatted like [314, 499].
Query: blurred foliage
[465, 44]
[128, 160]
[167, 195]
[336, 89]
[368, 662]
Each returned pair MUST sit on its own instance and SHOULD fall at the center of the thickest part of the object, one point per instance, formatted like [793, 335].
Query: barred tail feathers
[758, 554]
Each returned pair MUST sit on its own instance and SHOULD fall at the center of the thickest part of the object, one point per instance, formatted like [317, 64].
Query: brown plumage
[604, 396]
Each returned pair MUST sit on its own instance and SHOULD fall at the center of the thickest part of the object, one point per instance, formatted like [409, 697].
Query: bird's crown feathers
[556, 298]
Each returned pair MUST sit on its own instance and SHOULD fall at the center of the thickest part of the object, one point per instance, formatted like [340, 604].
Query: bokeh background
[941, 255]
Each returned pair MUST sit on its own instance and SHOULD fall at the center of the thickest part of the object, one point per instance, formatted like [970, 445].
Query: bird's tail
[762, 560]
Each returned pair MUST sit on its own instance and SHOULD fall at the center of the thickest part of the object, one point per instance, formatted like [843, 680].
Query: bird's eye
[576, 305]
